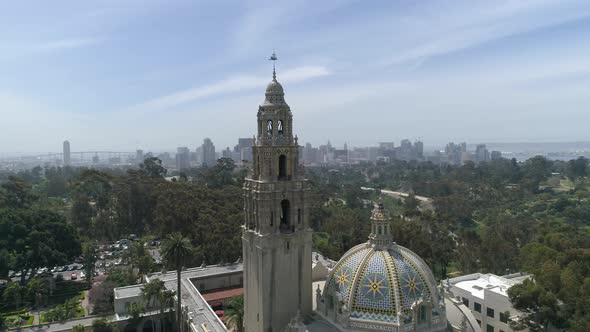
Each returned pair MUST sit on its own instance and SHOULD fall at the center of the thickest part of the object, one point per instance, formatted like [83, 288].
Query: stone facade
[276, 238]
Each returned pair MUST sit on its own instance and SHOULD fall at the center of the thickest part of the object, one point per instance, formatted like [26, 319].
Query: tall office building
[208, 151]
[419, 149]
[496, 155]
[481, 153]
[139, 157]
[67, 153]
[182, 158]
[244, 148]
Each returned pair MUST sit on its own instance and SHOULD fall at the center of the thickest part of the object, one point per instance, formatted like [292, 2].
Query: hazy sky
[122, 75]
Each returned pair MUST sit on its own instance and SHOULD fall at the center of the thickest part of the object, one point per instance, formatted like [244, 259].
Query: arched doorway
[282, 167]
[148, 326]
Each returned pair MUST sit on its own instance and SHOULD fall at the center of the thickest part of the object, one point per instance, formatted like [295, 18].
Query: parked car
[74, 276]
[82, 275]
[64, 268]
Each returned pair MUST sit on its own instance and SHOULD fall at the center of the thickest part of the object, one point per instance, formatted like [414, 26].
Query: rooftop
[199, 311]
[478, 283]
[128, 291]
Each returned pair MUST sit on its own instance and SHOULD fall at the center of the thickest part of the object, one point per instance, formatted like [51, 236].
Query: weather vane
[273, 58]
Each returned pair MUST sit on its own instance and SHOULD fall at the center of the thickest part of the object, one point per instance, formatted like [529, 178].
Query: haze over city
[163, 74]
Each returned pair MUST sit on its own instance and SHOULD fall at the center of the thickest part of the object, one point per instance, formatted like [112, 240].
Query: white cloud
[228, 86]
[437, 30]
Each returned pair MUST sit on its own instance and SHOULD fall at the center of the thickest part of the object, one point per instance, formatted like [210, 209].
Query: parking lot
[108, 256]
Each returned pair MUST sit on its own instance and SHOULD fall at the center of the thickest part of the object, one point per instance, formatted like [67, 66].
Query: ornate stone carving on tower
[276, 238]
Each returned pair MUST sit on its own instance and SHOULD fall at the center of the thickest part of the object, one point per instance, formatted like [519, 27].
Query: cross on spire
[273, 58]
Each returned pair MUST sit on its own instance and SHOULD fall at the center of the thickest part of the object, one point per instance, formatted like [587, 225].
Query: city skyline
[106, 75]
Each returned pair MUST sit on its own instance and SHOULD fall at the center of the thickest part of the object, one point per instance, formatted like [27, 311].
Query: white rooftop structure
[487, 298]
[488, 282]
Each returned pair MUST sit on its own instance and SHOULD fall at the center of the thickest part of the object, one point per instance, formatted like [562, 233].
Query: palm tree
[13, 292]
[37, 291]
[234, 313]
[176, 251]
[152, 292]
[166, 301]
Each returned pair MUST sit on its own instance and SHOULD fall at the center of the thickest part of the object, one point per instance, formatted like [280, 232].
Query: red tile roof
[223, 294]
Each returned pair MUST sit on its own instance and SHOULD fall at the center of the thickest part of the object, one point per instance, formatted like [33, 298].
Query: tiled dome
[381, 282]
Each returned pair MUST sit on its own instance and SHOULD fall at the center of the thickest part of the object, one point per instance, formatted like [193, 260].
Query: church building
[376, 286]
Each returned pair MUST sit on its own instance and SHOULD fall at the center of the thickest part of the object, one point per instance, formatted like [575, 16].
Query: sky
[154, 75]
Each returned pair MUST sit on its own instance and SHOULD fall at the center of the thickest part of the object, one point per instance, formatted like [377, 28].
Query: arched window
[285, 207]
[298, 216]
[280, 127]
[269, 127]
[422, 314]
[282, 167]
[271, 219]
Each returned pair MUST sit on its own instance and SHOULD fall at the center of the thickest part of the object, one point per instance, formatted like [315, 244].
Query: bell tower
[276, 238]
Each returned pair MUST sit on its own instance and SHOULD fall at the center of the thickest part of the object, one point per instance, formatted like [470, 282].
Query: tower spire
[273, 58]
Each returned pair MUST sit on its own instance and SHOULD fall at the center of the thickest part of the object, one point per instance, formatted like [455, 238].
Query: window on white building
[490, 312]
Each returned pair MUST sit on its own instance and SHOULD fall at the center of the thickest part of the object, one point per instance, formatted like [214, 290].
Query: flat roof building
[487, 298]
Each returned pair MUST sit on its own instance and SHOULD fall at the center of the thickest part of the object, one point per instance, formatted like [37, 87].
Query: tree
[140, 259]
[101, 325]
[101, 297]
[235, 313]
[176, 251]
[89, 261]
[36, 238]
[166, 301]
[13, 293]
[78, 328]
[135, 310]
[81, 212]
[17, 194]
[152, 293]
[539, 306]
[38, 292]
[153, 167]
[577, 168]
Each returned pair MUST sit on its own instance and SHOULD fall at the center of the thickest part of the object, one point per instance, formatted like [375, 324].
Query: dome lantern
[380, 226]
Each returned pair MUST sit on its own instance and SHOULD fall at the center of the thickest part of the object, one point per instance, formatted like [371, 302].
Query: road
[425, 202]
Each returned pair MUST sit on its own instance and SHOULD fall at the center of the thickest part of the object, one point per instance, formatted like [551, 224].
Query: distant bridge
[75, 156]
